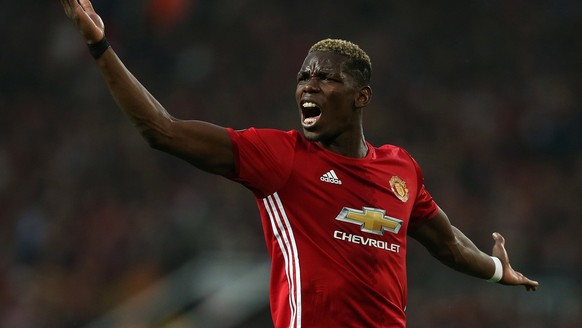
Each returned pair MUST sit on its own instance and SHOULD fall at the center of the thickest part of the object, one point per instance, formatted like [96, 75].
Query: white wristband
[498, 270]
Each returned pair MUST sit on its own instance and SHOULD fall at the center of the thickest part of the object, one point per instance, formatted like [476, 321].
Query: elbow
[157, 131]
[154, 138]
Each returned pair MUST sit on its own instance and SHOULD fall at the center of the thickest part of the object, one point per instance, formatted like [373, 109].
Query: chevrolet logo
[370, 220]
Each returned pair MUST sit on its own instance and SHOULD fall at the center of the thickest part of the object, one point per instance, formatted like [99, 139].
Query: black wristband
[98, 48]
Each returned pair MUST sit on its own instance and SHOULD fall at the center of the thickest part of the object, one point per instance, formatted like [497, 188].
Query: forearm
[450, 246]
[144, 111]
[462, 255]
[206, 146]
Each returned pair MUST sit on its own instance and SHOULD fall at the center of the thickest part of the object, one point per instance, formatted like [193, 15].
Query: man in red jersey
[338, 259]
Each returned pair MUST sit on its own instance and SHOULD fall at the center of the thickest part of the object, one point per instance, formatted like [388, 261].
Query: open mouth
[310, 113]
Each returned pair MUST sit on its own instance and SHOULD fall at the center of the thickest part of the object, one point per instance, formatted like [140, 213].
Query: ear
[363, 97]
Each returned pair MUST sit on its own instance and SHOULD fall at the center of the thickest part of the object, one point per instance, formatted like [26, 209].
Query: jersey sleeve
[425, 207]
[263, 158]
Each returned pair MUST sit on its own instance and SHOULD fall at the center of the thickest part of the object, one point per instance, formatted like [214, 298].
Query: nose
[311, 85]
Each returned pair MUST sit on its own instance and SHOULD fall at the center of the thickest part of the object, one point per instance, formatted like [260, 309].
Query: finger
[69, 6]
[532, 286]
[68, 3]
[86, 5]
[498, 238]
[499, 249]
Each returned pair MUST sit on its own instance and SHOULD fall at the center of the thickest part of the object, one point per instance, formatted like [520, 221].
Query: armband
[498, 270]
[98, 48]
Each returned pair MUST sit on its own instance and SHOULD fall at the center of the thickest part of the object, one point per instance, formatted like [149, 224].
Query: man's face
[327, 98]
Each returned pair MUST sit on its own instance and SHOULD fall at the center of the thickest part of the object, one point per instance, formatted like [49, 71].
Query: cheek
[343, 103]
[298, 92]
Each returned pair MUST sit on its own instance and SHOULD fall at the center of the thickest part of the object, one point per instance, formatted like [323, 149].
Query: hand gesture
[510, 276]
[86, 20]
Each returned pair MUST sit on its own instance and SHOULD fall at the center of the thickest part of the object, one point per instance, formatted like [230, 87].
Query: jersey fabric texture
[335, 227]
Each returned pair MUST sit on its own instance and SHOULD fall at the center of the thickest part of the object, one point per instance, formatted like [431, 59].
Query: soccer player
[336, 211]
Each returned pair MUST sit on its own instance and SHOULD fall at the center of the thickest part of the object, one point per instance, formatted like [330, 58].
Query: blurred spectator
[485, 94]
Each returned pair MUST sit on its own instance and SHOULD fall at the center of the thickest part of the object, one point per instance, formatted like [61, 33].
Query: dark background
[484, 94]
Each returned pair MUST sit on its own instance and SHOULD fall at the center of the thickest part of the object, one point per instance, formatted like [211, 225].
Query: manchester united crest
[399, 189]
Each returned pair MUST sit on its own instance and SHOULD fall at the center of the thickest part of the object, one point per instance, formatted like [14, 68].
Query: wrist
[97, 49]
[498, 274]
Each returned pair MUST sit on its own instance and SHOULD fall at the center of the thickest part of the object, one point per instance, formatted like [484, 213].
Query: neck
[356, 149]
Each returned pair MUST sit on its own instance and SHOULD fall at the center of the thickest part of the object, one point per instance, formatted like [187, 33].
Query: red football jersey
[335, 227]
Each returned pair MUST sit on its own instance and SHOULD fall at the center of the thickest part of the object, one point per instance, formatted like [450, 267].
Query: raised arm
[204, 145]
[450, 246]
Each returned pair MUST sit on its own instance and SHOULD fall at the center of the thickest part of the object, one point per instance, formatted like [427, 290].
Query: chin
[311, 136]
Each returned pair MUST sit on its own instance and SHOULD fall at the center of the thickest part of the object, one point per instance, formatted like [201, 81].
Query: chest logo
[370, 220]
[331, 177]
[399, 189]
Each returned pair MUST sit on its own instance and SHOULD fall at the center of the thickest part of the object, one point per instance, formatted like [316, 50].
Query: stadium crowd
[484, 94]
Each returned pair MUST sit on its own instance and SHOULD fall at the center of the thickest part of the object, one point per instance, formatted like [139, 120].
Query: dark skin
[330, 102]
[340, 100]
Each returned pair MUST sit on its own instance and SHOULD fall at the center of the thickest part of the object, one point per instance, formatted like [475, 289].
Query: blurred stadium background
[97, 230]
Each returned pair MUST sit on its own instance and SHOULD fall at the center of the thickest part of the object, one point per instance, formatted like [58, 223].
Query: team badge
[399, 189]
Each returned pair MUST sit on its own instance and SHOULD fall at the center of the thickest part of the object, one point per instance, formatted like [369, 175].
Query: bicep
[435, 234]
[202, 144]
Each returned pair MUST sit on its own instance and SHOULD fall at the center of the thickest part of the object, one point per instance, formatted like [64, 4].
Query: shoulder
[401, 155]
[264, 140]
[263, 157]
[389, 150]
[262, 135]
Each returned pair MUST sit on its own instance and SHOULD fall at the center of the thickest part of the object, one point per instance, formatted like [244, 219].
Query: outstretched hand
[86, 20]
[510, 276]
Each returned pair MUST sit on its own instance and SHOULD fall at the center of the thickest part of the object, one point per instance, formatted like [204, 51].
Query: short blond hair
[358, 60]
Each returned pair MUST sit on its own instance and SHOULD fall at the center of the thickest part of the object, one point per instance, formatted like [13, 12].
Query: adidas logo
[331, 177]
